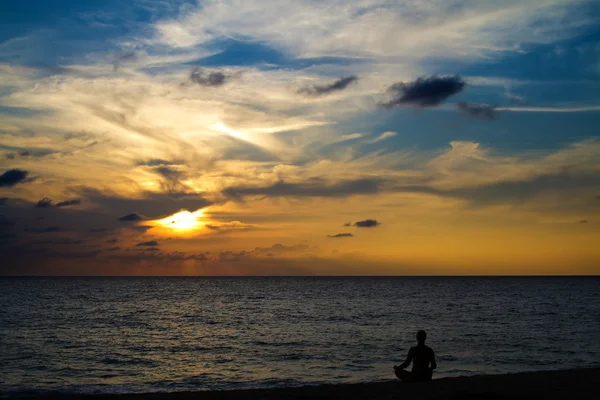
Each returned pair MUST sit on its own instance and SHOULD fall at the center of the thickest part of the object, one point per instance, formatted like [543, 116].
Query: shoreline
[581, 383]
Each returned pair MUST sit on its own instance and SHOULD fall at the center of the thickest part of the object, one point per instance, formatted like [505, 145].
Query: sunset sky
[330, 137]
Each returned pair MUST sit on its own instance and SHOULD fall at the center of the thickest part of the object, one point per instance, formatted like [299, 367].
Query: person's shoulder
[429, 349]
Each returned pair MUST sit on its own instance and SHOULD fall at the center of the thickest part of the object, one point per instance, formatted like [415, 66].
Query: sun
[182, 220]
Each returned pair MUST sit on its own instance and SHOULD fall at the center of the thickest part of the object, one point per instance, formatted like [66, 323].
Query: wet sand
[569, 384]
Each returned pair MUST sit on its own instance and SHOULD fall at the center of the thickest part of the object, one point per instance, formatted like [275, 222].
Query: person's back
[422, 356]
[423, 360]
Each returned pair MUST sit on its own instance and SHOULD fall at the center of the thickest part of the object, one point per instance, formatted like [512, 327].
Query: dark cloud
[313, 188]
[367, 223]
[424, 92]
[157, 162]
[151, 205]
[213, 79]
[114, 248]
[131, 217]
[168, 173]
[479, 111]
[44, 203]
[584, 221]
[67, 203]
[78, 135]
[124, 58]
[12, 177]
[33, 153]
[151, 243]
[3, 201]
[279, 248]
[321, 90]
[560, 183]
[63, 241]
[341, 235]
[111, 241]
[48, 229]
[171, 181]
[6, 221]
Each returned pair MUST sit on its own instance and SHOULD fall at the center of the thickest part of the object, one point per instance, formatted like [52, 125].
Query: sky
[371, 137]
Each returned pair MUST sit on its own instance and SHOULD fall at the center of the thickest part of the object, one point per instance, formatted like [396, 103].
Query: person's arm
[433, 364]
[406, 363]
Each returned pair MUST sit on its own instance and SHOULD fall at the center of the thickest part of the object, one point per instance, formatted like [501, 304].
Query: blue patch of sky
[248, 52]
[564, 71]
[565, 74]
[44, 33]
[430, 129]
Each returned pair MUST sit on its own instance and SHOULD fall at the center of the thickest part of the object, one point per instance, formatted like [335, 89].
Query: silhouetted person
[423, 360]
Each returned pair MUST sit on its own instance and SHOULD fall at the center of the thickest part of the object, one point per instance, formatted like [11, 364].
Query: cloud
[424, 92]
[314, 188]
[148, 205]
[131, 217]
[67, 203]
[30, 153]
[341, 235]
[48, 229]
[124, 58]
[151, 243]
[583, 221]
[383, 136]
[279, 248]
[514, 98]
[59, 241]
[479, 111]
[574, 109]
[168, 173]
[321, 90]
[12, 177]
[367, 223]
[44, 203]
[157, 162]
[213, 79]
[5, 221]
[405, 30]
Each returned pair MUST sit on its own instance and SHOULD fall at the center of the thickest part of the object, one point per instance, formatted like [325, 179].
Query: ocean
[130, 335]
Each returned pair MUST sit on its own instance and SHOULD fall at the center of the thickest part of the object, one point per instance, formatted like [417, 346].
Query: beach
[566, 384]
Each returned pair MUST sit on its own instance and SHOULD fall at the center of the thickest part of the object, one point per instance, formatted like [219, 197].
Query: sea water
[123, 335]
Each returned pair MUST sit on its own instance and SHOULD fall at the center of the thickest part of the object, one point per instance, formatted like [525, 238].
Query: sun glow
[182, 220]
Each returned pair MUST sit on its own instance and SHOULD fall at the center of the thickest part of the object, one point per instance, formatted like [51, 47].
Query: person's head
[421, 336]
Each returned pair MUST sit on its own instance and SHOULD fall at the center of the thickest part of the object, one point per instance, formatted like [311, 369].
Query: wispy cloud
[321, 90]
[551, 109]
[383, 136]
[479, 111]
